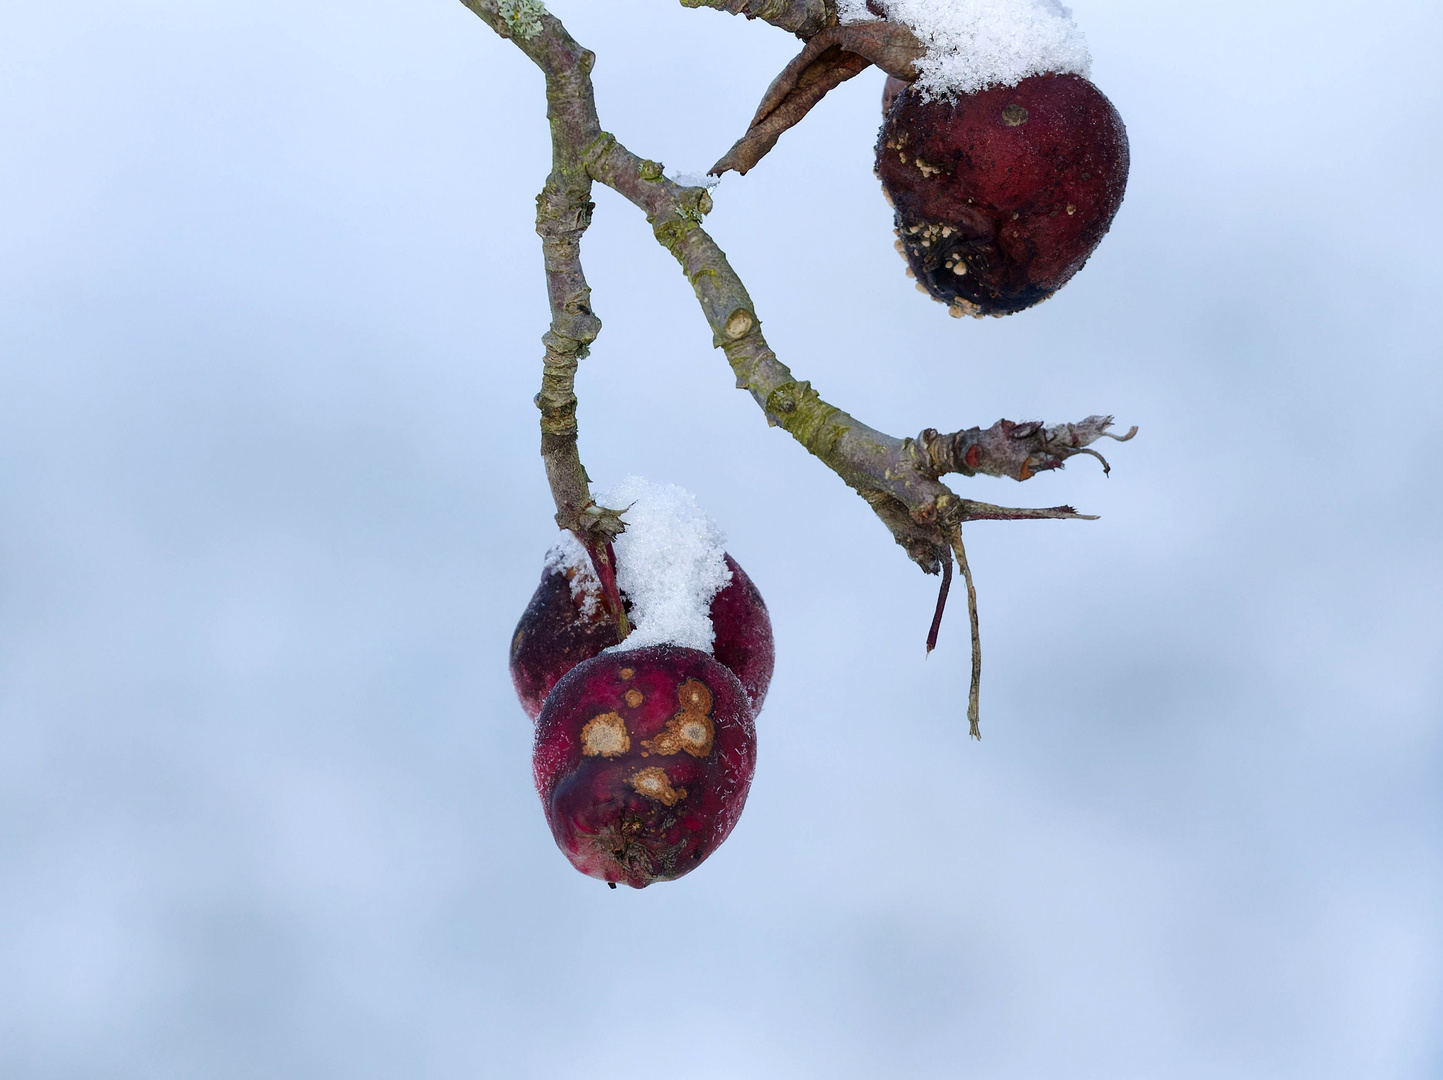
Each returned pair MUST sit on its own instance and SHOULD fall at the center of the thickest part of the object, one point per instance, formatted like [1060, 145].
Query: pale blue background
[270, 503]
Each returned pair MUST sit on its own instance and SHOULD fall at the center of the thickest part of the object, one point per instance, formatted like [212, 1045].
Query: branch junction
[898, 478]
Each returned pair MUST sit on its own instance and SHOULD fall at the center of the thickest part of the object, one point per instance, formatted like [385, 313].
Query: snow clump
[974, 44]
[670, 563]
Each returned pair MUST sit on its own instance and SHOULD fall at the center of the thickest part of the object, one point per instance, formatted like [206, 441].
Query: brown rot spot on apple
[605, 736]
[691, 729]
[694, 697]
[655, 784]
[627, 673]
[977, 195]
[634, 697]
[617, 816]
[694, 734]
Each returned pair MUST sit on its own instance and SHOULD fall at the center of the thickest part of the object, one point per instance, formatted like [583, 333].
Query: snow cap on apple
[974, 44]
[1004, 164]
[678, 583]
[670, 563]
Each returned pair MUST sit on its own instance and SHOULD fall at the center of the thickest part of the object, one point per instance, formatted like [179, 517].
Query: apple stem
[603, 561]
[623, 624]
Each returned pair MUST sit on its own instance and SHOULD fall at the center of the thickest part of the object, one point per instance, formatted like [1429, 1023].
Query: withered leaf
[829, 59]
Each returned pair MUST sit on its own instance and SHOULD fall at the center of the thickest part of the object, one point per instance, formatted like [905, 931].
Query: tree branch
[563, 213]
[801, 17]
[897, 477]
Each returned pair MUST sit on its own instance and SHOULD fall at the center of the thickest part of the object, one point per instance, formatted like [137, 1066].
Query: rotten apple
[643, 759]
[1001, 196]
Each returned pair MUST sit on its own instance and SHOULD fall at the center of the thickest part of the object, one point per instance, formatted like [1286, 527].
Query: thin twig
[603, 560]
[801, 17]
[941, 604]
[974, 717]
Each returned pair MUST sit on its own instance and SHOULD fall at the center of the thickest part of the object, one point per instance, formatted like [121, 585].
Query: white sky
[270, 505]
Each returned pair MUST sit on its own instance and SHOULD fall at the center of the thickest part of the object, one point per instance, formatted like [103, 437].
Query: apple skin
[557, 631]
[1013, 186]
[744, 641]
[643, 760]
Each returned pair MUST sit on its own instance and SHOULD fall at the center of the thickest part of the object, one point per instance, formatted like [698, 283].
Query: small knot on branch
[1018, 450]
[593, 523]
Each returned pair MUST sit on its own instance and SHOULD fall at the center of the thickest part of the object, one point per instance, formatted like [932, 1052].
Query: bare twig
[1007, 449]
[563, 214]
[974, 715]
[830, 58]
[801, 17]
[941, 605]
[898, 478]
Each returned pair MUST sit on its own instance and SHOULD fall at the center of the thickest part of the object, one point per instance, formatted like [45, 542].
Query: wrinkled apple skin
[557, 632]
[1012, 186]
[643, 760]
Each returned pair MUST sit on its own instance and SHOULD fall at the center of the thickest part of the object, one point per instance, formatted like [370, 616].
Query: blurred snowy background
[270, 504]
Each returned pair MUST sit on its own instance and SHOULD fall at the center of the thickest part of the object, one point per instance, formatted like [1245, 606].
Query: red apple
[1001, 196]
[744, 634]
[643, 759]
[564, 624]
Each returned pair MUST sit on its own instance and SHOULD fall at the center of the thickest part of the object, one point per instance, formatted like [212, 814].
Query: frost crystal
[670, 563]
[973, 44]
[568, 557]
[694, 179]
